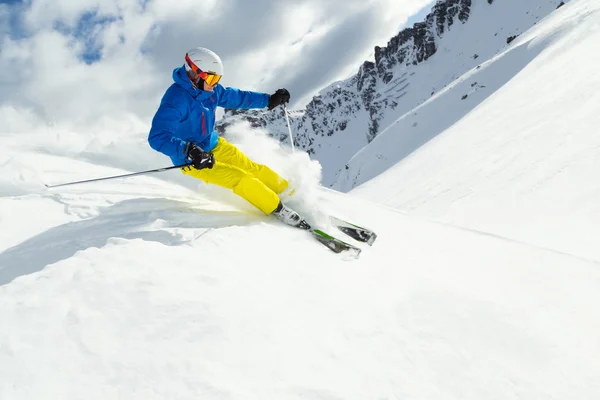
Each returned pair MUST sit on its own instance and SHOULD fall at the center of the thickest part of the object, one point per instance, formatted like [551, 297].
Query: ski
[354, 231]
[334, 244]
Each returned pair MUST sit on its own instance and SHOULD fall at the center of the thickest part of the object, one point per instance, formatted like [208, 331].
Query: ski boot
[290, 217]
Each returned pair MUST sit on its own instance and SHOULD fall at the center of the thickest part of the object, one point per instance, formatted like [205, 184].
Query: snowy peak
[417, 44]
[420, 61]
[501, 150]
[410, 47]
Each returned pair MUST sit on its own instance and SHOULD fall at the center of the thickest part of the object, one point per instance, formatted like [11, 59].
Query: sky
[91, 62]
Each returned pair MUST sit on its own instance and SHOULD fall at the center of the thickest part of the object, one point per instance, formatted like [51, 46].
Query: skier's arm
[236, 98]
[162, 133]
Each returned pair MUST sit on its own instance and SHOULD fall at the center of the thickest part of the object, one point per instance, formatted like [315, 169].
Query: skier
[183, 129]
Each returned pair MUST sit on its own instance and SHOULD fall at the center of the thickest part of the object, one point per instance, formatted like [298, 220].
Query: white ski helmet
[205, 63]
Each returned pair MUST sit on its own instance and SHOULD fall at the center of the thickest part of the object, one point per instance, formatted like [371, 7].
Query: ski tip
[372, 239]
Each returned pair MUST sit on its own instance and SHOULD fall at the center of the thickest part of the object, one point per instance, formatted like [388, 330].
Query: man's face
[207, 87]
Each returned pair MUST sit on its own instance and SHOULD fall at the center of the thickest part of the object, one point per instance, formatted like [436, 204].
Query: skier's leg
[241, 182]
[230, 154]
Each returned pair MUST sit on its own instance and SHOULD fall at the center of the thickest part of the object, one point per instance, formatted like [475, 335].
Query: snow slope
[159, 287]
[524, 163]
[152, 299]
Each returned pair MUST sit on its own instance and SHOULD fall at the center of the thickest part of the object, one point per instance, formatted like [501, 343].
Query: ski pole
[287, 119]
[119, 176]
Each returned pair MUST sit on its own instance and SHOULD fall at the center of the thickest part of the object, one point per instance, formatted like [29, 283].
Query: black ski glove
[279, 97]
[200, 159]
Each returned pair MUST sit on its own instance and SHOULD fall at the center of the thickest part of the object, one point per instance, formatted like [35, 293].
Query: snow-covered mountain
[484, 282]
[515, 158]
[416, 64]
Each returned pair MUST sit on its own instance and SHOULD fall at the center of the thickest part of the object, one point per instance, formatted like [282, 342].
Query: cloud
[323, 59]
[80, 62]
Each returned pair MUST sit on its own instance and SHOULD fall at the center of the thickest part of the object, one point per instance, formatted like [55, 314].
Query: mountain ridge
[347, 115]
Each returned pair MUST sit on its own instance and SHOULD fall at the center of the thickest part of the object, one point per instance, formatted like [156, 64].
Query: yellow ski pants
[256, 183]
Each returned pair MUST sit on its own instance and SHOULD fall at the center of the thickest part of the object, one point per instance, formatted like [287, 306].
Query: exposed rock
[348, 114]
[511, 38]
[410, 46]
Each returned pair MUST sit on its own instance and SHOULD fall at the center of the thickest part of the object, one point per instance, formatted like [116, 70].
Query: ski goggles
[209, 77]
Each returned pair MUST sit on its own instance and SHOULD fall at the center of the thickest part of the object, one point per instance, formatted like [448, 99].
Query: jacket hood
[181, 79]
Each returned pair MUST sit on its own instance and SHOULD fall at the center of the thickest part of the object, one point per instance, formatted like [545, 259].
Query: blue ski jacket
[187, 114]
